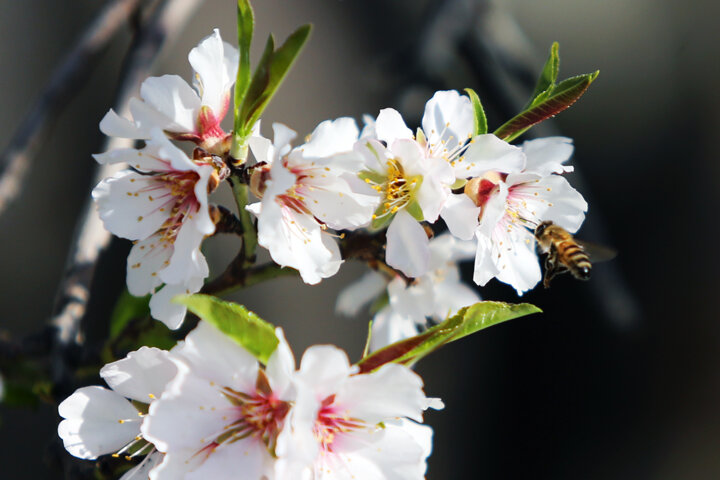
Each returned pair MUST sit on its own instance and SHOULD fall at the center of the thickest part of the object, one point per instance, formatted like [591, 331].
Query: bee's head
[540, 229]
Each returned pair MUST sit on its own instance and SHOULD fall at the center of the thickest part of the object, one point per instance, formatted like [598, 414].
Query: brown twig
[64, 84]
[91, 237]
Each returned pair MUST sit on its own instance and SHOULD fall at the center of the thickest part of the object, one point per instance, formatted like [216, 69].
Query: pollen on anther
[140, 218]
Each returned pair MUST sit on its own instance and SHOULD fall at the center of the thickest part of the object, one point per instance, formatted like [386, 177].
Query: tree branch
[64, 84]
[91, 237]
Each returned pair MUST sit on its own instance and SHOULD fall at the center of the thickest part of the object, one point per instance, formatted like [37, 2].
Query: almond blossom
[184, 113]
[162, 205]
[305, 191]
[346, 425]
[220, 417]
[98, 421]
[501, 209]
[436, 295]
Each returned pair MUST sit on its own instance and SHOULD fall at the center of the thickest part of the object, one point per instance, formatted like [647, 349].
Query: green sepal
[269, 75]
[548, 77]
[459, 183]
[466, 322]
[243, 326]
[381, 218]
[481, 126]
[374, 177]
[562, 96]
[413, 208]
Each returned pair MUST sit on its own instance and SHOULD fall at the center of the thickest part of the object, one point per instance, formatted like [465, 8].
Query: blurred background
[617, 379]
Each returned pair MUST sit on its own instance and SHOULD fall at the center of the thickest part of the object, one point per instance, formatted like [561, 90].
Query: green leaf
[127, 308]
[467, 321]
[548, 77]
[269, 75]
[563, 95]
[481, 126]
[246, 25]
[247, 329]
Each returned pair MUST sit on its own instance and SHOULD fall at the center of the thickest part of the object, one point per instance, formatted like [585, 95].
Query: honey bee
[566, 254]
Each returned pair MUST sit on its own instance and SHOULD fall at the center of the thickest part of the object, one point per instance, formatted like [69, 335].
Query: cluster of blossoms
[208, 409]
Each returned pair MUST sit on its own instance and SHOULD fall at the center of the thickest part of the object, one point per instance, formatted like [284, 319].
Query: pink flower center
[260, 415]
[331, 422]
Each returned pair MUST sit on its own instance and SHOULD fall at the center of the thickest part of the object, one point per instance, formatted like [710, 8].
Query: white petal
[146, 259]
[214, 356]
[368, 130]
[339, 207]
[391, 391]
[142, 471]
[518, 263]
[131, 205]
[248, 455]
[164, 309]
[353, 297]
[281, 367]
[113, 125]
[330, 137]
[215, 63]
[451, 295]
[566, 206]
[435, 188]
[390, 126]
[493, 211]
[142, 375]
[97, 421]
[167, 150]
[407, 245]
[174, 99]
[449, 120]
[282, 136]
[445, 249]
[324, 368]
[485, 268]
[547, 155]
[189, 415]
[389, 327]
[488, 153]
[187, 260]
[413, 301]
[461, 216]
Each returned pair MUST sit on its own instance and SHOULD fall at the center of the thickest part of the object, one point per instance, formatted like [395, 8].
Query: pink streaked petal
[215, 63]
[131, 205]
[146, 259]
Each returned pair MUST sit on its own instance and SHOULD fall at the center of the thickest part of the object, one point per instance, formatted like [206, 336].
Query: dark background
[618, 378]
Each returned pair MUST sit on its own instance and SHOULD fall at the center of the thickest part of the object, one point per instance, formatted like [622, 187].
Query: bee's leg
[550, 267]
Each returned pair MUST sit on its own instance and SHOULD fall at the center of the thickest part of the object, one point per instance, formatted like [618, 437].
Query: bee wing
[597, 253]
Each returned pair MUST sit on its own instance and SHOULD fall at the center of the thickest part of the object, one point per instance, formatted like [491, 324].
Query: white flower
[170, 104]
[162, 205]
[221, 415]
[347, 426]
[437, 295]
[307, 190]
[501, 209]
[98, 421]
[411, 188]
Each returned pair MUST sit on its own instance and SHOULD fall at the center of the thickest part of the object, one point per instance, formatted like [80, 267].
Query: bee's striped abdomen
[574, 257]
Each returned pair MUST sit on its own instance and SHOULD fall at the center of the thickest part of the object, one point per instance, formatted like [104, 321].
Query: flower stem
[249, 236]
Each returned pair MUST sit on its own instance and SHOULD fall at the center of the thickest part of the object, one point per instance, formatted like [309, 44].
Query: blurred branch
[65, 83]
[91, 237]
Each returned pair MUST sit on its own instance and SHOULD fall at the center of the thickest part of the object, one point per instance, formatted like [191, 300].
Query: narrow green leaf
[548, 77]
[563, 95]
[127, 308]
[245, 26]
[366, 349]
[257, 86]
[247, 329]
[270, 74]
[467, 321]
[481, 126]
